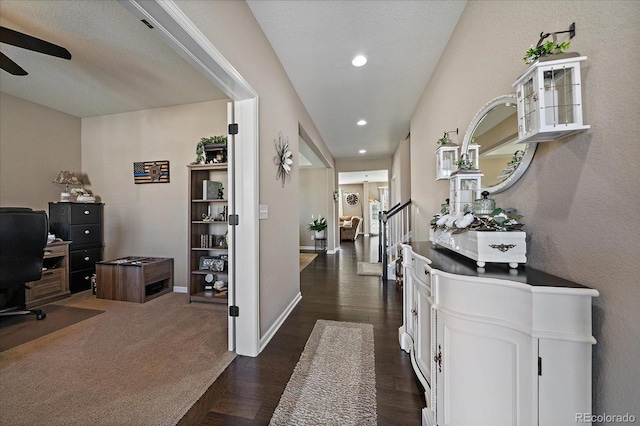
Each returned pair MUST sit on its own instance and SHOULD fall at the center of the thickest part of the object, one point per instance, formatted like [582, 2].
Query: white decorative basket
[485, 246]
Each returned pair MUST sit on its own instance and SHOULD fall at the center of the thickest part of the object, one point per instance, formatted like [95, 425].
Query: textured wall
[36, 142]
[147, 219]
[233, 30]
[580, 196]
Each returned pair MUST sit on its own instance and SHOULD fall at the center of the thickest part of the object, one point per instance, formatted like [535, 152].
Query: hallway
[248, 391]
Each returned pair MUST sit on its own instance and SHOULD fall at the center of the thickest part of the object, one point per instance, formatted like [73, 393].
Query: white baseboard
[264, 341]
[177, 289]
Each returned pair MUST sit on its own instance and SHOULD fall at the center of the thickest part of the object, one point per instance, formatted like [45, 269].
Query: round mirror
[495, 130]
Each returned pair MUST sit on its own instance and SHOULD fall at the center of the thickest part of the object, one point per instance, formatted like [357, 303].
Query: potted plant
[217, 148]
[319, 226]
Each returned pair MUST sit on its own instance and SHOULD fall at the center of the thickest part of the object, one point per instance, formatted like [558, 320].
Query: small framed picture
[209, 263]
[217, 264]
[206, 263]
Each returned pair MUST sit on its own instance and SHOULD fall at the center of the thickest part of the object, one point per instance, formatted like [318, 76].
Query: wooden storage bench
[134, 279]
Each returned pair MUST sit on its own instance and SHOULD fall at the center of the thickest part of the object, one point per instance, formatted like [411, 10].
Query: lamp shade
[68, 178]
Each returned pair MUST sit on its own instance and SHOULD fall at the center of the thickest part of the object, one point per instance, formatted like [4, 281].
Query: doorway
[185, 38]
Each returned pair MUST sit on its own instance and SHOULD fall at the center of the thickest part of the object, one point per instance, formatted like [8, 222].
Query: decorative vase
[320, 235]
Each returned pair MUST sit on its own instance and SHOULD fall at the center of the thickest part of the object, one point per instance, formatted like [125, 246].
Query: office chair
[23, 237]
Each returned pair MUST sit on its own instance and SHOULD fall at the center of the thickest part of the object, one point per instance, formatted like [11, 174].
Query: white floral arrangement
[498, 220]
[80, 191]
[318, 224]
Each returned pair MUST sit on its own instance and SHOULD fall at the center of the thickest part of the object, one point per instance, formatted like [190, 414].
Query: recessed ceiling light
[361, 122]
[362, 151]
[359, 61]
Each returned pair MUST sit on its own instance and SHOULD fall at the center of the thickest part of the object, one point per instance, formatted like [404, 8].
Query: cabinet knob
[86, 212]
[86, 259]
[414, 312]
[86, 232]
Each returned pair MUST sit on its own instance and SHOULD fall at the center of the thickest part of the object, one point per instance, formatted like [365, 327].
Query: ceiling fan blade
[11, 67]
[25, 41]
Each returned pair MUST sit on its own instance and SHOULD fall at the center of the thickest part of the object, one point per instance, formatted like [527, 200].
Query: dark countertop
[448, 261]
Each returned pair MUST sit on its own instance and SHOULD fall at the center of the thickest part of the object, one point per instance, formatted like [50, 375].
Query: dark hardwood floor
[248, 391]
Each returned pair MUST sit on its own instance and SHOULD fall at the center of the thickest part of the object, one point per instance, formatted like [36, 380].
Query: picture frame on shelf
[211, 263]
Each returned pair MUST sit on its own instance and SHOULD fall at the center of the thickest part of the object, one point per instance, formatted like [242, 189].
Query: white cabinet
[501, 347]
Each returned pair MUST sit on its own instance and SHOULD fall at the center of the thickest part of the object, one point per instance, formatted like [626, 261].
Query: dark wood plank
[249, 390]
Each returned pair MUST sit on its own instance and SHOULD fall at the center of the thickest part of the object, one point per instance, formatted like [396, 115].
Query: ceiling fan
[25, 41]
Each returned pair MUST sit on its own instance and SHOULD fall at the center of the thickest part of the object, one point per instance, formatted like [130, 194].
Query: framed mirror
[495, 130]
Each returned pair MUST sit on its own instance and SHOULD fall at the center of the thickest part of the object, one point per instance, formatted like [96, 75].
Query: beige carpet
[135, 364]
[334, 382]
[367, 268]
[306, 259]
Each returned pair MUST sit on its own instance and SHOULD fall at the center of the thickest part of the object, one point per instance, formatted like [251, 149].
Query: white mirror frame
[529, 149]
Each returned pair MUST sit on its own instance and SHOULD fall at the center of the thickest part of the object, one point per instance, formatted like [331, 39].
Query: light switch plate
[264, 211]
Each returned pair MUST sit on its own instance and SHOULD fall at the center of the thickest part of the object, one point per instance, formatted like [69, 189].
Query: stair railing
[395, 229]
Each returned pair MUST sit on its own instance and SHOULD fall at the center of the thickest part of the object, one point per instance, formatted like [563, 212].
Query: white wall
[36, 143]
[580, 196]
[147, 219]
[233, 30]
[313, 201]
[357, 210]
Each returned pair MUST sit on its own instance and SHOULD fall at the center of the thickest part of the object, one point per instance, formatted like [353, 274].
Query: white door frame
[187, 40]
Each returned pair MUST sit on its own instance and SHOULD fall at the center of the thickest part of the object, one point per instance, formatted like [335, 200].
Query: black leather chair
[23, 237]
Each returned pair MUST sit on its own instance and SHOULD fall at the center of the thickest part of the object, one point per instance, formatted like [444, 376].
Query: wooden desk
[54, 284]
[134, 278]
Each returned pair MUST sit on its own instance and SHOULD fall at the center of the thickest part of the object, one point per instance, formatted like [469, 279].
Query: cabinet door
[565, 381]
[484, 373]
[422, 346]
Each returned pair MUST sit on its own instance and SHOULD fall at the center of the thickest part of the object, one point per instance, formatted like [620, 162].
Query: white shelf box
[485, 246]
[549, 96]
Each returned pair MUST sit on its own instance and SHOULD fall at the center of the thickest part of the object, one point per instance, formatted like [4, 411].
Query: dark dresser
[82, 224]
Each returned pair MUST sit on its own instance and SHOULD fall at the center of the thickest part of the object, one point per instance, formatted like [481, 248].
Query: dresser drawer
[82, 235]
[51, 284]
[85, 213]
[80, 280]
[84, 259]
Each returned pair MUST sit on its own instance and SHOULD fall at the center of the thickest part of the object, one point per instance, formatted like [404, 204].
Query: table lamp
[67, 178]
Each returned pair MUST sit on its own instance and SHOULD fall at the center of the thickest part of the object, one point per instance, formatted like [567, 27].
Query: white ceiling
[119, 65]
[347, 178]
[316, 41]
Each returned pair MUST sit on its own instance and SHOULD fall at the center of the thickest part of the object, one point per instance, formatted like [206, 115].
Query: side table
[320, 245]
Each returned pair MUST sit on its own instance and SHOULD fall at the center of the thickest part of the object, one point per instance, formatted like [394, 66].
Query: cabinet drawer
[84, 259]
[85, 234]
[51, 284]
[80, 280]
[85, 213]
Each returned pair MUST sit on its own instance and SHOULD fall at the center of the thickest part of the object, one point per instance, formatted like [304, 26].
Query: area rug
[306, 259]
[368, 268]
[16, 330]
[135, 364]
[334, 382]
